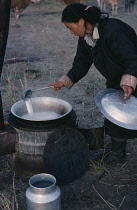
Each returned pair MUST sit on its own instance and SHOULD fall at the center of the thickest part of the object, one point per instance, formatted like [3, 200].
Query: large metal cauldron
[33, 134]
[47, 108]
[47, 113]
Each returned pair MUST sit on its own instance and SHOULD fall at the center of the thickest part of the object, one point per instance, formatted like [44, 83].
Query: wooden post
[4, 29]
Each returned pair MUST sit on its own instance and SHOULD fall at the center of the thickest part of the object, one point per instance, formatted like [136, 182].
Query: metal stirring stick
[28, 93]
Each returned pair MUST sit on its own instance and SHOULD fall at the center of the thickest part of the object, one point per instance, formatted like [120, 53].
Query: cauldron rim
[68, 120]
[57, 100]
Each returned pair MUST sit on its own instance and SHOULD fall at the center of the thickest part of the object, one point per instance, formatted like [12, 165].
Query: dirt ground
[39, 52]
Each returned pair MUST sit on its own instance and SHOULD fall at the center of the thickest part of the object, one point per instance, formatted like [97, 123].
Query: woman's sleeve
[129, 80]
[82, 61]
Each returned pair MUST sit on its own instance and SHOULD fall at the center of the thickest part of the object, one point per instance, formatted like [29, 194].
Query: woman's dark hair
[73, 12]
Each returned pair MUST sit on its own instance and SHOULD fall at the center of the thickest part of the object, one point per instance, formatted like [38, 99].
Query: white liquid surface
[39, 116]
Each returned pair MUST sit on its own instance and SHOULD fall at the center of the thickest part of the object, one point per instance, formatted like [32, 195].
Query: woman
[112, 46]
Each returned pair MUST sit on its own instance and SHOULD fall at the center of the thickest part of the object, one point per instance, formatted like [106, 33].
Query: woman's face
[78, 29]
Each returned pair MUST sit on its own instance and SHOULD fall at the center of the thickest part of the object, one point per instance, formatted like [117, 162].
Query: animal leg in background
[16, 17]
[19, 6]
[127, 5]
[132, 3]
[114, 9]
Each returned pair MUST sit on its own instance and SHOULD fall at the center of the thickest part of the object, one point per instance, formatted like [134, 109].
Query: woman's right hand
[57, 85]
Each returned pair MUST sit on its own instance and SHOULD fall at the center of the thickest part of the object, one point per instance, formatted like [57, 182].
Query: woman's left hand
[127, 91]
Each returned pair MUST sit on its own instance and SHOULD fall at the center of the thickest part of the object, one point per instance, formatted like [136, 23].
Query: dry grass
[5, 203]
[110, 205]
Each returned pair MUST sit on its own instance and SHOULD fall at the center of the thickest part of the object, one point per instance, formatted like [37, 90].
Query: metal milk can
[43, 193]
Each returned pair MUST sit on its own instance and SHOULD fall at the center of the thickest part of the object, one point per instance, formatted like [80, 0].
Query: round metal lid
[121, 112]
